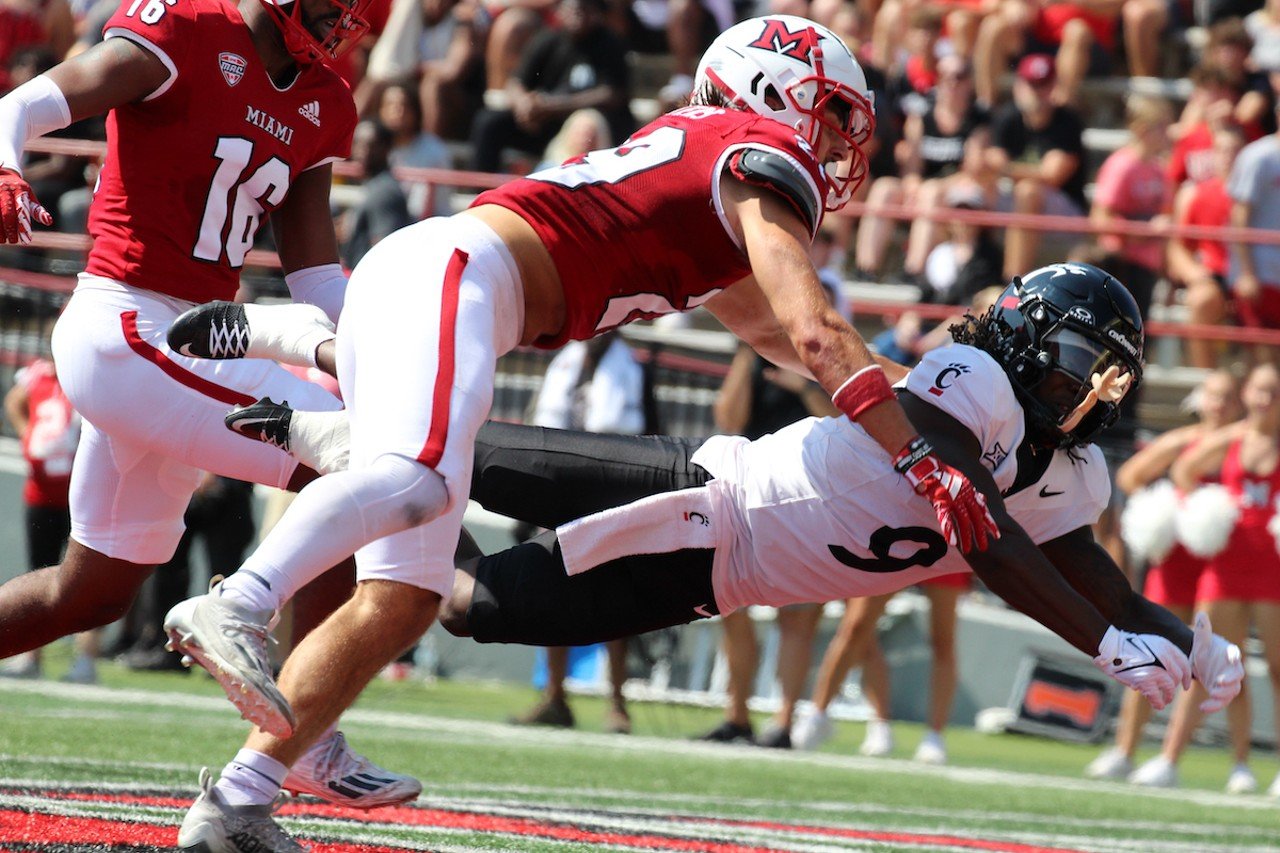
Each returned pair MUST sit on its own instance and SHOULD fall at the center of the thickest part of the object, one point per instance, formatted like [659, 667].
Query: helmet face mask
[1062, 332]
[801, 74]
[349, 26]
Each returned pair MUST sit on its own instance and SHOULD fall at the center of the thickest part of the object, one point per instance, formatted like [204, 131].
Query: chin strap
[1108, 387]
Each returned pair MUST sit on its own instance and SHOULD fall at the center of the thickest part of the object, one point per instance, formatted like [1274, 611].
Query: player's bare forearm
[1014, 568]
[1089, 569]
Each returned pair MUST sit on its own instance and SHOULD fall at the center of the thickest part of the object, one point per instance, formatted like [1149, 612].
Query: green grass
[155, 731]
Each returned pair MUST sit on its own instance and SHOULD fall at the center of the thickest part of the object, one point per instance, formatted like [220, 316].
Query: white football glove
[1216, 664]
[1148, 663]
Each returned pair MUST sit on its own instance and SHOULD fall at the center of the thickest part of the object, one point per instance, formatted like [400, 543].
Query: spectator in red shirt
[49, 428]
[1197, 264]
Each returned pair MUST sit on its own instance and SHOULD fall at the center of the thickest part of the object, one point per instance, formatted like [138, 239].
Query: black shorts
[550, 477]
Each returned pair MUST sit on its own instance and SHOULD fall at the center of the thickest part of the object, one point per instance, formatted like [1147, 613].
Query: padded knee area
[396, 493]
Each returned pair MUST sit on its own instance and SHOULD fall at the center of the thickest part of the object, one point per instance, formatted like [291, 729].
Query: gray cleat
[230, 641]
[213, 826]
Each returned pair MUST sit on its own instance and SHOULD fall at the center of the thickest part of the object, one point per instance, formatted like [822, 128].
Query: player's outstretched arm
[114, 72]
[833, 353]
[1016, 569]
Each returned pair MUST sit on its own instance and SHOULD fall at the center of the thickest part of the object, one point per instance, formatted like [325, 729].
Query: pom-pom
[1147, 523]
[1273, 526]
[1205, 520]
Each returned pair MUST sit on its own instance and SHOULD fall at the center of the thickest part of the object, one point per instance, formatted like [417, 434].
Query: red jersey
[639, 231]
[1209, 205]
[193, 168]
[49, 441]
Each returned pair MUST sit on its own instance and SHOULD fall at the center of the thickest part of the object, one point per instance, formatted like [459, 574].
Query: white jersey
[815, 512]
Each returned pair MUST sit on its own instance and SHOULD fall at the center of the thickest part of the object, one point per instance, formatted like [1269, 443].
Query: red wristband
[863, 390]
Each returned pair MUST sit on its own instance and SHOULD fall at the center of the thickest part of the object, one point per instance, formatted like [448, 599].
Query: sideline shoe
[931, 750]
[230, 641]
[729, 732]
[1241, 780]
[336, 773]
[617, 722]
[25, 666]
[774, 737]
[1274, 790]
[878, 741]
[213, 826]
[266, 421]
[1111, 764]
[812, 730]
[546, 713]
[84, 670]
[1159, 772]
[222, 330]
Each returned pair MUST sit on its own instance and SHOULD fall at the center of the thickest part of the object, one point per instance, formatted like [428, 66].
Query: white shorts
[153, 419]
[429, 310]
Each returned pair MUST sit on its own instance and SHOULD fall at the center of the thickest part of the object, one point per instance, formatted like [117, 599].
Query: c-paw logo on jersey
[946, 377]
[777, 38]
[232, 66]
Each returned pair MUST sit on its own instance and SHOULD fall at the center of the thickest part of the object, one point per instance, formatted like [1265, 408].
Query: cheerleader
[1174, 573]
[1240, 585]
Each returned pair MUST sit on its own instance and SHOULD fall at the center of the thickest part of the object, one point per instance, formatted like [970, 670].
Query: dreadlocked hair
[976, 331]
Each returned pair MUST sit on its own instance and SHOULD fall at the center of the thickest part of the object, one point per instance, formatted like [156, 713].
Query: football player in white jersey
[649, 532]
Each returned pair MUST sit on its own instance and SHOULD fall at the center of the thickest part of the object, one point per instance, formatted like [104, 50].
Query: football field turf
[113, 767]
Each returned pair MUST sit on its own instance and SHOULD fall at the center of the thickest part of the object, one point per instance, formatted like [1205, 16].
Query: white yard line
[489, 733]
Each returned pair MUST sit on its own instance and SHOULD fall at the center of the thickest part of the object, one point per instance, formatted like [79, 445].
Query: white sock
[933, 738]
[320, 440]
[287, 333]
[250, 589]
[330, 520]
[251, 779]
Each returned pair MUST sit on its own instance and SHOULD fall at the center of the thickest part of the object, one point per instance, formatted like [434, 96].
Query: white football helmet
[794, 70]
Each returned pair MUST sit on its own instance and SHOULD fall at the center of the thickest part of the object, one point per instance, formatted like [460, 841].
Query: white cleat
[213, 826]
[334, 772]
[1159, 772]
[878, 741]
[230, 641]
[1110, 764]
[813, 728]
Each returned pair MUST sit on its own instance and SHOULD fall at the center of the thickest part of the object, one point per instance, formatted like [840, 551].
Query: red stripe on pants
[129, 323]
[439, 432]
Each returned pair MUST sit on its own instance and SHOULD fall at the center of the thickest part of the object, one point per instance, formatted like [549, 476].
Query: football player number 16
[267, 185]
[152, 10]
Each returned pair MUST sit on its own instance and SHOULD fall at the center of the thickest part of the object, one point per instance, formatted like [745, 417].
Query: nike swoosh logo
[1045, 493]
[1142, 647]
[702, 611]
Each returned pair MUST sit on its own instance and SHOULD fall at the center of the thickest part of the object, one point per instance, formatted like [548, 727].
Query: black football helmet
[1052, 330]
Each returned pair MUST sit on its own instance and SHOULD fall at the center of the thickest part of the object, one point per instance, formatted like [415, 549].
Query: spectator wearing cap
[1229, 49]
[1037, 152]
[1200, 265]
[1082, 35]
[1132, 187]
[941, 141]
[1255, 268]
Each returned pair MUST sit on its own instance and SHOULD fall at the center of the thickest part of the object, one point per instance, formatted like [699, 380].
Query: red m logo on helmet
[777, 38]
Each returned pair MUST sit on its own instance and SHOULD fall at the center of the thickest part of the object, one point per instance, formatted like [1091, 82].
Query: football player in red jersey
[218, 116]
[713, 204]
